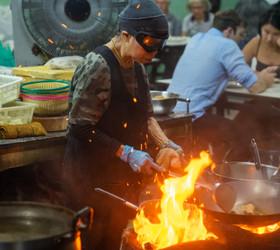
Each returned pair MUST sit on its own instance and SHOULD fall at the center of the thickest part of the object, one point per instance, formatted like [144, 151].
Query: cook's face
[163, 5]
[270, 34]
[197, 10]
[138, 53]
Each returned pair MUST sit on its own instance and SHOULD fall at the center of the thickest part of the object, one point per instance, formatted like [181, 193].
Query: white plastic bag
[65, 62]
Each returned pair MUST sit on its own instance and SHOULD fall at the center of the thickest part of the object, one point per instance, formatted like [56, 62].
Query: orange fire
[176, 222]
[262, 230]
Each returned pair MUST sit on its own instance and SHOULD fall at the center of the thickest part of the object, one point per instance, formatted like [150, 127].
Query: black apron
[88, 165]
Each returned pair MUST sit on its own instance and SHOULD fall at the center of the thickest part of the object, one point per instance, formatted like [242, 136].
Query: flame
[262, 230]
[50, 41]
[177, 223]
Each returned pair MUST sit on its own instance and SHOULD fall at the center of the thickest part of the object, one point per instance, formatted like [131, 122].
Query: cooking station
[29, 150]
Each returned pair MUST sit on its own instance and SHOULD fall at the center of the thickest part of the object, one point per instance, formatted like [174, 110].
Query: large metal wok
[38, 226]
[229, 171]
[264, 196]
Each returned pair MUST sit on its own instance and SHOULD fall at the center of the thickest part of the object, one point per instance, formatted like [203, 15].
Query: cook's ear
[125, 33]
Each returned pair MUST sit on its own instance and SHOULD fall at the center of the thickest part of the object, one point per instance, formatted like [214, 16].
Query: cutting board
[43, 72]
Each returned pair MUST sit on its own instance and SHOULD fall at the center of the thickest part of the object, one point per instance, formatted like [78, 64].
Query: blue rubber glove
[139, 161]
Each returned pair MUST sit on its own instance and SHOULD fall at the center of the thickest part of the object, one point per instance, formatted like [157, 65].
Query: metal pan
[234, 171]
[164, 102]
[263, 195]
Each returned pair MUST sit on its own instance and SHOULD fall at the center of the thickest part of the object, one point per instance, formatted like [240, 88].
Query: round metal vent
[71, 27]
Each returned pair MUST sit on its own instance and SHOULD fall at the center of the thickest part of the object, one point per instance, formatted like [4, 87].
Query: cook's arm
[170, 154]
[156, 132]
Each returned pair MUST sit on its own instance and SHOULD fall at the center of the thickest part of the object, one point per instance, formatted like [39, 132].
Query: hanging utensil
[257, 158]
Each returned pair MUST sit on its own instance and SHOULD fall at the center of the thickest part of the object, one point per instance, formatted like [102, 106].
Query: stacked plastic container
[12, 111]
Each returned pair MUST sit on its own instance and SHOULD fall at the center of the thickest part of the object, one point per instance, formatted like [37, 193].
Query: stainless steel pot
[164, 102]
[270, 156]
[229, 171]
[38, 226]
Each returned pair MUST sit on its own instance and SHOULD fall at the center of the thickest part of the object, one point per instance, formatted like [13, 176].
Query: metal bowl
[163, 102]
[229, 171]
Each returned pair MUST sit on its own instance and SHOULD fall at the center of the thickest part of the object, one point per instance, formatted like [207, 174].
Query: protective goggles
[149, 43]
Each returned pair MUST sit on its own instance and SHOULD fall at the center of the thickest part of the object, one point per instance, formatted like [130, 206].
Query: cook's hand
[173, 145]
[139, 161]
[278, 42]
[168, 158]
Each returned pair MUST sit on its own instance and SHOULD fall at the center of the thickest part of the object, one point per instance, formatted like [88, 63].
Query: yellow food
[247, 209]
[158, 97]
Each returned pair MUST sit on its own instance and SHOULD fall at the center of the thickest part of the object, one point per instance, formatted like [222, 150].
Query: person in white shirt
[199, 20]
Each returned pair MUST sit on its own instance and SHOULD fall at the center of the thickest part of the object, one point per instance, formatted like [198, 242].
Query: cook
[110, 121]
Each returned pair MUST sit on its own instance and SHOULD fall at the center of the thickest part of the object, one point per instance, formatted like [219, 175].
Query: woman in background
[199, 20]
[250, 12]
[262, 117]
[265, 47]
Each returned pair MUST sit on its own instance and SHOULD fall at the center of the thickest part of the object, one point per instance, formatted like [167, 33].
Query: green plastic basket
[45, 87]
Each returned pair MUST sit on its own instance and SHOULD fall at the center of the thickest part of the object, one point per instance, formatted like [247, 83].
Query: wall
[4, 2]
[178, 7]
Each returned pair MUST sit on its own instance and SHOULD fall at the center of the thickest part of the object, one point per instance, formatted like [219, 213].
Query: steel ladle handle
[257, 157]
[116, 197]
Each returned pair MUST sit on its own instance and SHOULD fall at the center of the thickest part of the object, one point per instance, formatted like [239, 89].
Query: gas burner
[231, 237]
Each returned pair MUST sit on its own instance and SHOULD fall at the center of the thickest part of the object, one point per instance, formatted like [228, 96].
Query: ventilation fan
[50, 28]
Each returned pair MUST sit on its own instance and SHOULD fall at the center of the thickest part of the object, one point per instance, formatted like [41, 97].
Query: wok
[263, 195]
[230, 171]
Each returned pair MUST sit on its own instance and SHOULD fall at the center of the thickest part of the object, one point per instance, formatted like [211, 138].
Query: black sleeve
[93, 136]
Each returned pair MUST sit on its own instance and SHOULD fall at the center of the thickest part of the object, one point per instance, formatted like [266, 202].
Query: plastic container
[9, 88]
[17, 112]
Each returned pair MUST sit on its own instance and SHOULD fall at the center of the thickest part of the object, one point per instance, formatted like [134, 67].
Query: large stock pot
[39, 226]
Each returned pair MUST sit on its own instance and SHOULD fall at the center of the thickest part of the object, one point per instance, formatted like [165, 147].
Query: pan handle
[83, 219]
[186, 100]
[116, 197]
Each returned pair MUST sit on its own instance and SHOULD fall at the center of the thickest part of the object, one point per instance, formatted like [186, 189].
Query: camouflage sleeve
[90, 90]
[90, 98]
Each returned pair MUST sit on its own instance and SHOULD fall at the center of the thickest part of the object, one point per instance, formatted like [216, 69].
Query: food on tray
[158, 97]
[277, 80]
[247, 209]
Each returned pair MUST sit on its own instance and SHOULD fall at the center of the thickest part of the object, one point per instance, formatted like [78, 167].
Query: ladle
[224, 195]
[116, 197]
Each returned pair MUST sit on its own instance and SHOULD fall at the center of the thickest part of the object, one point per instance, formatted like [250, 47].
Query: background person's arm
[250, 50]
[265, 79]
